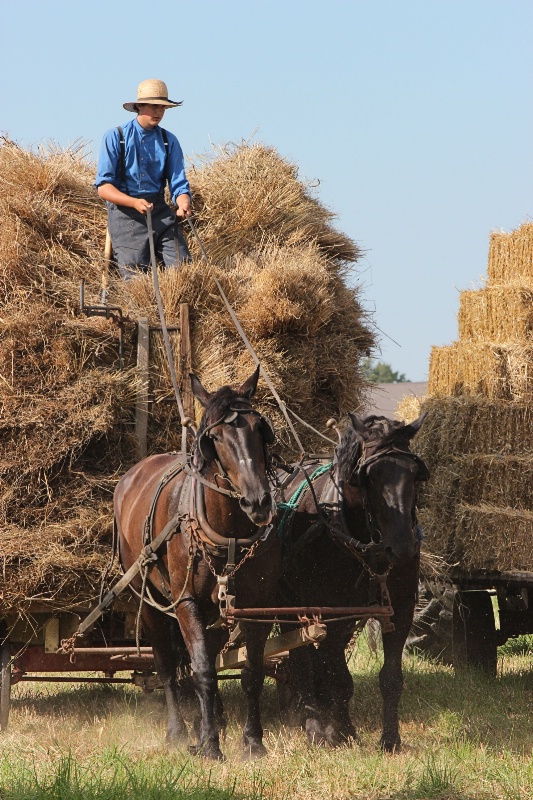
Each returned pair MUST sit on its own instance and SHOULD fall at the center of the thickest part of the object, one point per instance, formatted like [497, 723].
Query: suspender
[122, 143]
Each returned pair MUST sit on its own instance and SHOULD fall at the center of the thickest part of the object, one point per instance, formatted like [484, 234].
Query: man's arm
[177, 180]
[109, 192]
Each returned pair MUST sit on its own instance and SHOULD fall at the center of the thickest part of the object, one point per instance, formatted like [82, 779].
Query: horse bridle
[232, 414]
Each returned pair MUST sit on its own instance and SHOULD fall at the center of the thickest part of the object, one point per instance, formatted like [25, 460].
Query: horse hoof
[212, 753]
[314, 732]
[253, 750]
[176, 740]
[347, 737]
[391, 744]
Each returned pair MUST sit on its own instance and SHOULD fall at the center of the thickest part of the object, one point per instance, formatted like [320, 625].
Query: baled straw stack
[477, 510]
[66, 411]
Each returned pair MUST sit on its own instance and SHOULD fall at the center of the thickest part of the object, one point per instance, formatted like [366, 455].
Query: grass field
[464, 738]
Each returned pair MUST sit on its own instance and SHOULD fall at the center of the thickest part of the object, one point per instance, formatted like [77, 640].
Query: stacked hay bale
[478, 437]
[67, 410]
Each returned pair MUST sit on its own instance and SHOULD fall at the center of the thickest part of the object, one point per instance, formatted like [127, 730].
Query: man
[134, 165]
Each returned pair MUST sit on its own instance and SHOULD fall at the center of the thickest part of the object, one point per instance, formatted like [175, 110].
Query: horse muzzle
[261, 510]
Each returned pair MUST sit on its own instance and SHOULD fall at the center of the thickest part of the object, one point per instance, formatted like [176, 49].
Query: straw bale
[480, 455]
[511, 256]
[500, 479]
[466, 368]
[496, 314]
[66, 411]
[494, 538]
[480, 537]
[458, 426]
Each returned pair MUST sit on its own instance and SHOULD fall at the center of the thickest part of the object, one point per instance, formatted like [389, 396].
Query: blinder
[267, 430]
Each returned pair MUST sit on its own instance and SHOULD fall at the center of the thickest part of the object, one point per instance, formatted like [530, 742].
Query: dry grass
[464, 738]
[246, 197]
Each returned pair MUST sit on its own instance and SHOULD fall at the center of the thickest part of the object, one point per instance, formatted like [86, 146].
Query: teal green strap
[290, 507]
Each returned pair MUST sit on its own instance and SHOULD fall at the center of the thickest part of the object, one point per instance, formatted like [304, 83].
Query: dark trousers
[129, 235]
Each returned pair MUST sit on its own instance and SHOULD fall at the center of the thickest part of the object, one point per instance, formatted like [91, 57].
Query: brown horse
[220, 506]
[358, 522]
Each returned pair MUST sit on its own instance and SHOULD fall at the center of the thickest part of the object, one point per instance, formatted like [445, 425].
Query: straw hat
[152, 91]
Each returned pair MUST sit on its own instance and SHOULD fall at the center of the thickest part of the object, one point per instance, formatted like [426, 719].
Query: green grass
[467, 738]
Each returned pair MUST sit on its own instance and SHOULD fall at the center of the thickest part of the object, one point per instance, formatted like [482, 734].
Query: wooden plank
[141, 406]
[186, 361]
[310, 634]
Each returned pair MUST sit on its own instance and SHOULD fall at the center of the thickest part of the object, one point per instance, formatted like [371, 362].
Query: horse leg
[335, 689]
[391, 679]
[252, 679]
[204, 678]
[163, 633]
[303, 673]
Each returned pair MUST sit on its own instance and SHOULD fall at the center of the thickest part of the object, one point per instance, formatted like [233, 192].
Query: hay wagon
[110, 653]
[474, 612]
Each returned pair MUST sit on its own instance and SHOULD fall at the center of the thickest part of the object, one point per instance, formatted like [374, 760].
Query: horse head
[374, 457]
[232, 440]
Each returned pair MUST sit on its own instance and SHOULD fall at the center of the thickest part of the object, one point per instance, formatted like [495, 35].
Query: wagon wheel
[5, 679]
[474, 632]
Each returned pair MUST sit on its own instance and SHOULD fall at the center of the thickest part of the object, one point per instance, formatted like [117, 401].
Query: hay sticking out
[409, 408]
[247, 196]
[67, 412]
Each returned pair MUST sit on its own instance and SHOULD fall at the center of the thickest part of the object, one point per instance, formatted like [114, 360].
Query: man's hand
[184, 208]
[141, 205]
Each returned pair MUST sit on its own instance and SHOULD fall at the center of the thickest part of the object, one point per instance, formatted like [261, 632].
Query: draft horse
[355, 523]
[218, 508]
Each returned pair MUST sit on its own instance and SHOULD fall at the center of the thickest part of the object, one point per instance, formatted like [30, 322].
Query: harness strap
[169, 475]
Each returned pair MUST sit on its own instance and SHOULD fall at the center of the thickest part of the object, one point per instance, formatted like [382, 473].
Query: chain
[237, 567]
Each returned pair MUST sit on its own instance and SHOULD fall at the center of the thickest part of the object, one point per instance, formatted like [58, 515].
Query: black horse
[350, 533]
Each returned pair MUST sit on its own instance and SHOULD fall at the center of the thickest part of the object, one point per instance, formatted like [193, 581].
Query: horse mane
[381, 434]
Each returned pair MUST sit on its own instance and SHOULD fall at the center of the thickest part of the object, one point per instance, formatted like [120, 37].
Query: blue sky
[415, 116]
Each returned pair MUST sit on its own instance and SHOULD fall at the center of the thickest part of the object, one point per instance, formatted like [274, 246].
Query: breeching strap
[168, 348]
[246, 341]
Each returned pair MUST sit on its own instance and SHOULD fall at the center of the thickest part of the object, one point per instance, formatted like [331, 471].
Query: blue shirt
[145, 159]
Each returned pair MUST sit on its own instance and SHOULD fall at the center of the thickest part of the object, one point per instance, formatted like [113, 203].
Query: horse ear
[415, 426]
[198, 390]
[249, 386]
[358, 424]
